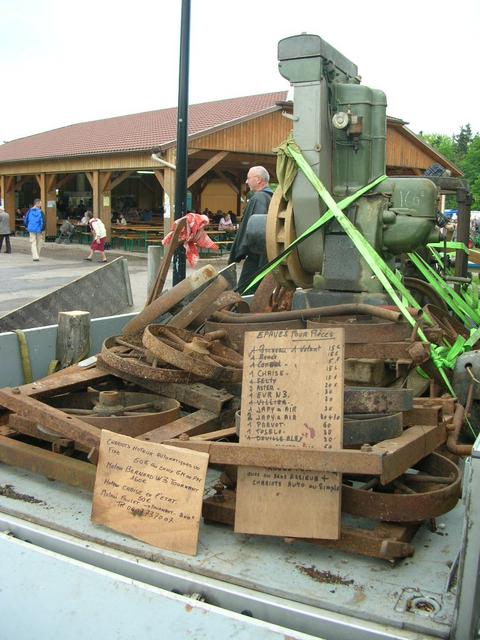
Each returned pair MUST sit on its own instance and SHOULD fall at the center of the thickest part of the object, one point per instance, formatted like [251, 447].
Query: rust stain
[324, 576]
[188, 608]
[9, 492]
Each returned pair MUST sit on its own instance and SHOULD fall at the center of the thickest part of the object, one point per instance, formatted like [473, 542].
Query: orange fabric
[193, 236]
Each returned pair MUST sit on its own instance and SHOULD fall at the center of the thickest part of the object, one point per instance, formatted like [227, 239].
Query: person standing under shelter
[5, 230]
[35, 225]
[99, 234]
[257, 181]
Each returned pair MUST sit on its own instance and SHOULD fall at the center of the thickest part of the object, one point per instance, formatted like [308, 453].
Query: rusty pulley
[204, 356]
[128, 412]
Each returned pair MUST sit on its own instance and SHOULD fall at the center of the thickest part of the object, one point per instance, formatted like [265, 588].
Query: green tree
[470, 165]
[462, 142]
[463, 149]
[442, 143]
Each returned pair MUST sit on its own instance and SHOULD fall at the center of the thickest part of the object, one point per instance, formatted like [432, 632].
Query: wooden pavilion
[133, 156]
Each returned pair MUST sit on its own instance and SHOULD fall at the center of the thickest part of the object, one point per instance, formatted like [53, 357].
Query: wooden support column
[50, 212]
[50, 206]
[7, 187]
[106, 202]
[169, 190]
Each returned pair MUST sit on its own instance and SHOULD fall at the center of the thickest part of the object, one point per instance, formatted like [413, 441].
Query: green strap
[326, 217]
[389, 280]
[451, 246]
[456, 303]
[392, 284]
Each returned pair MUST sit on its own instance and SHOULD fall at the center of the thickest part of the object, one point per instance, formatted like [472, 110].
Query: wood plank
[46, 463]
[338, 460]
[414, 444]
[195, 423]
[69, 379]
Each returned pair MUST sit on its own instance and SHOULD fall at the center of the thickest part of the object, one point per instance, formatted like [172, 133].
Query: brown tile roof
[150, 130]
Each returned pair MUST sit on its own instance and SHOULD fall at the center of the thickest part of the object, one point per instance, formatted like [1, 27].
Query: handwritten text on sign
[150, 491]
[292, 396]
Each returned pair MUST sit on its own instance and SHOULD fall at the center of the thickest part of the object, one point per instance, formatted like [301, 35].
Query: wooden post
[50, 213]
[106, 202]
[50, 205]
[95, 193]
[73, 337]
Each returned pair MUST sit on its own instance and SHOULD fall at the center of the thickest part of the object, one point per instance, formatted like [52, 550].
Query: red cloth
[193, 236]
[98, 245]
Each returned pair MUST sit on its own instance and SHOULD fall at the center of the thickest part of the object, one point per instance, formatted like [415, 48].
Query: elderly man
[257, 180]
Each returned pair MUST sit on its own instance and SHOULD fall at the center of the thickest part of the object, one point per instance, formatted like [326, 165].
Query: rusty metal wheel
[427, 490]
[203, 356]
[129, 362]
[281, 233]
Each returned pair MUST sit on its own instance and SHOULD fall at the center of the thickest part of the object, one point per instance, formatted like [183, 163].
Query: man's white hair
[262, 173]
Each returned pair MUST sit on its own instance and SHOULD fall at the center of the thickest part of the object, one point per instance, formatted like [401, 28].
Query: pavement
[23, 280]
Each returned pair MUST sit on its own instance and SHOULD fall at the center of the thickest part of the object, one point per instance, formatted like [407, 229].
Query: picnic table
[138, 236]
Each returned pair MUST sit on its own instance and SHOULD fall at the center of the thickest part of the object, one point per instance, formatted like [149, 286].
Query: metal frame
[74, 556]
[466, 623]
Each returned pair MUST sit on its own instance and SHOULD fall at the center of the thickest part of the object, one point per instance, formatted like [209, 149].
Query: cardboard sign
[292, 396]
[150, 491]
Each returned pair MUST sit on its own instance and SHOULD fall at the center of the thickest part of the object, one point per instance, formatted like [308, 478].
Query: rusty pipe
[300, 314]
[452, 440]
[169, 299]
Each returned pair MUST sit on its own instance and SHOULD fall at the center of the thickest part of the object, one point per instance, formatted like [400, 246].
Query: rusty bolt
[219, 487]
[15, 390]
[366, 447]
[184, 436]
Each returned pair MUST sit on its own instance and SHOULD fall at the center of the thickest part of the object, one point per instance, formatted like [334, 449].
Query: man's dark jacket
[257, 205]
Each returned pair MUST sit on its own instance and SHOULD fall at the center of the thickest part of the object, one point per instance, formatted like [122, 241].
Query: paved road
[23, 280]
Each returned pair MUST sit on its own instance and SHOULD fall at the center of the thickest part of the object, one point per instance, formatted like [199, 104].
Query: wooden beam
[38, 178]
[105, 181]
[119, 179]
[51, 465]
[9, 180]
[226, 179]
[96, 195]
[18, 185]
[159, 177]
[51, 182]
[89, 175]
[64, 180]
[206, 166]
[146, 185]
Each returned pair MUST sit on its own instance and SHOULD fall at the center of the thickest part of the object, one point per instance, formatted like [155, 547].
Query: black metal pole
[179, 262]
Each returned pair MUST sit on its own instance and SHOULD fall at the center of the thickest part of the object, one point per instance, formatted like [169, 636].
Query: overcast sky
[65, 62]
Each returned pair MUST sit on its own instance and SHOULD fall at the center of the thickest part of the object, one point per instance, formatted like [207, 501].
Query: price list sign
[150, 491]
[292, 396]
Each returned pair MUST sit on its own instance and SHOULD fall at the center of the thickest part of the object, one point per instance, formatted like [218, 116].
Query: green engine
[340, 126]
